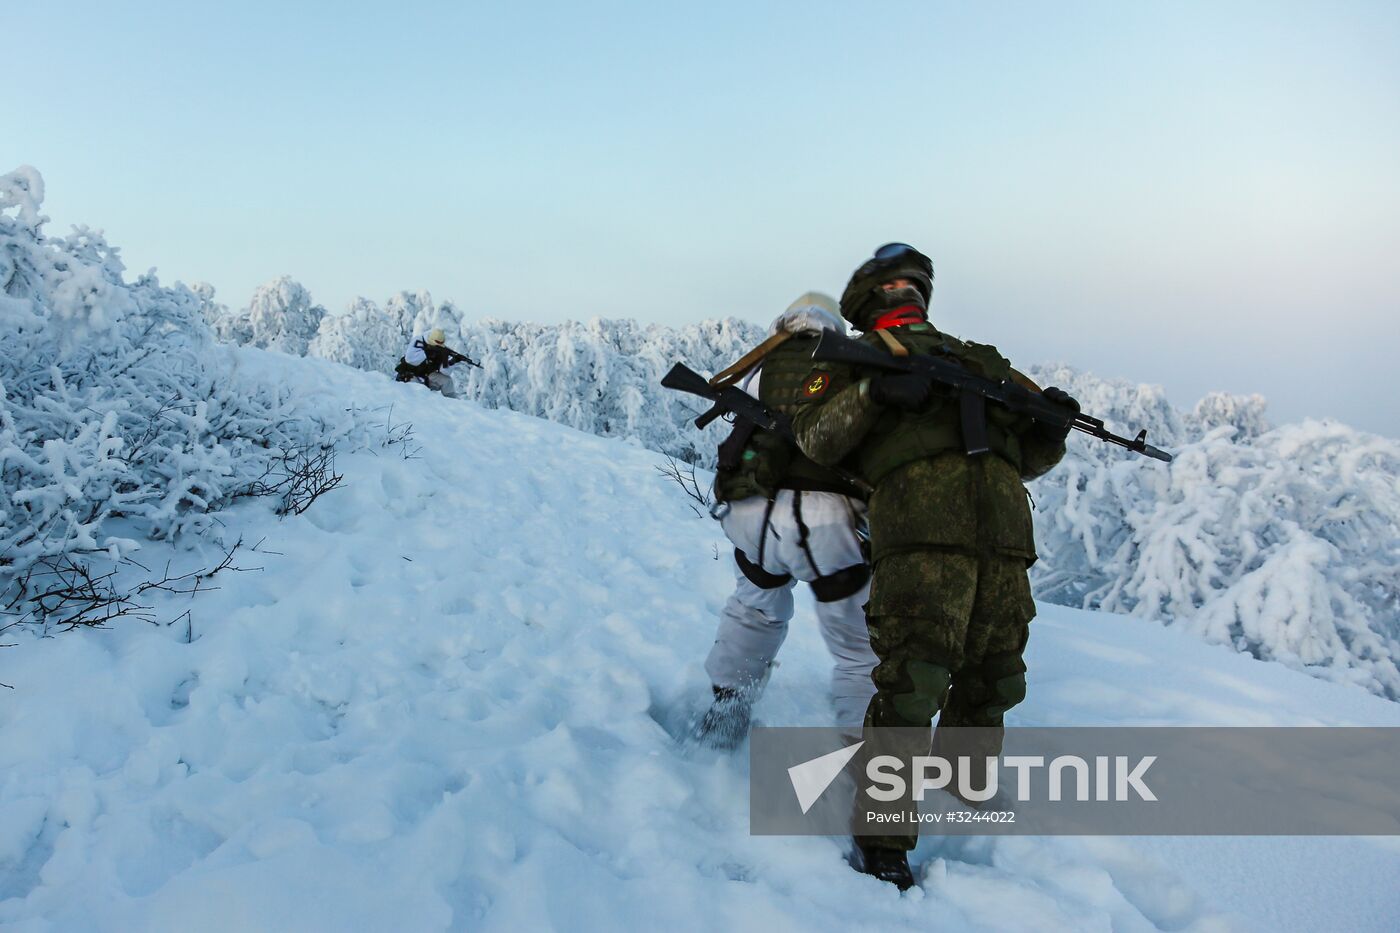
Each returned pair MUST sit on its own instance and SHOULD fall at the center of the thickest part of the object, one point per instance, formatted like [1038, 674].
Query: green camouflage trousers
[949, 630]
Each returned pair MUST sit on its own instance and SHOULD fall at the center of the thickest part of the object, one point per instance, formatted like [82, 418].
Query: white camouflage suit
[754, 621]
[437, 381]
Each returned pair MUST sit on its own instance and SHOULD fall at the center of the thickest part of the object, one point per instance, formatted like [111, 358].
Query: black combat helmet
[863, 300]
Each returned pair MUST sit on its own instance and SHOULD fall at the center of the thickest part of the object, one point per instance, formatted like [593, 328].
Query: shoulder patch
[817, 384]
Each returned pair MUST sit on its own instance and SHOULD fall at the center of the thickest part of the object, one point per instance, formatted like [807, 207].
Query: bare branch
[309, 477]
[684, 476]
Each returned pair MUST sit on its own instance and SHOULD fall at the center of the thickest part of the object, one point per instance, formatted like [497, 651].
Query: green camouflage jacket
[929, 494]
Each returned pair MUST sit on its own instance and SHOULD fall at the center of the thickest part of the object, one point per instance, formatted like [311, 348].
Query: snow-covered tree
[1244, 413]
[282, 316]
[1080, 515]
[369, 337]
[213, 312]
[603, 376]
[600, 376]
[412, 313]
[364, 337]
[1283, 543]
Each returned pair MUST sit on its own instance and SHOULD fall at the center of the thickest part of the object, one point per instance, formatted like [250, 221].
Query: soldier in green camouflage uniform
[950, 602]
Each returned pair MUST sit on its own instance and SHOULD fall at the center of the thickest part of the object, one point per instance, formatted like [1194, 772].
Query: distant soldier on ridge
[427, 356]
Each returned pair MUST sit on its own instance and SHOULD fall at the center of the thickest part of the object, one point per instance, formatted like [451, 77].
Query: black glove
[1057, 396]
[909, 391]
[1061, 397]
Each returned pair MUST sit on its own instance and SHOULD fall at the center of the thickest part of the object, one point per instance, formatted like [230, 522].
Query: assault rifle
[975, 391]
[730, 400]
[453, 358]
[734, 400]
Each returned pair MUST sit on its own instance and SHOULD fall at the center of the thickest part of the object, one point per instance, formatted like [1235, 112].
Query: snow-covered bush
[120, 418]
[1283, 543]
[1289, 549]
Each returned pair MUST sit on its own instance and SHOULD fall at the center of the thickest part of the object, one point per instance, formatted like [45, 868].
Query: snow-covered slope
[437, 706]
[1281, 542]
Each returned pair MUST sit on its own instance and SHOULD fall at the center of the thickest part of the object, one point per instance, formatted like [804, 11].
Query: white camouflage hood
[811, 313]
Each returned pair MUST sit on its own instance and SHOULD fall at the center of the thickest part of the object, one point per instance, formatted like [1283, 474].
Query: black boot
[890, 865]
[726, 723]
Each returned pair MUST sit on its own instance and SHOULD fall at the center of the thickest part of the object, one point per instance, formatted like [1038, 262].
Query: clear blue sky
[1202, 195]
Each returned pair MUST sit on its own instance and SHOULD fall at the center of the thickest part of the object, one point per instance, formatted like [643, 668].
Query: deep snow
[438, 703]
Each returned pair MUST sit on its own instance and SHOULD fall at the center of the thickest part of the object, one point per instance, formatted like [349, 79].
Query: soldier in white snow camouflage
[789, 519]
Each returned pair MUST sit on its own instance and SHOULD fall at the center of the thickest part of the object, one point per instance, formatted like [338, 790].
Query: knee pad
[757, 575]
[1005, 678]
[930, 691]
[840, 585]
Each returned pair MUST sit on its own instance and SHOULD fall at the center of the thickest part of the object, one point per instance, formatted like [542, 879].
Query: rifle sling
[895, 347]
[972, 408]
[732, 374]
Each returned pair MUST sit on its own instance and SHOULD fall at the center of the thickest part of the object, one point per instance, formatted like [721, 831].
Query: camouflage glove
[909, 391]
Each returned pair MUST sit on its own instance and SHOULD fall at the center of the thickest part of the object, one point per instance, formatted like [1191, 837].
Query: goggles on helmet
[893, 251]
